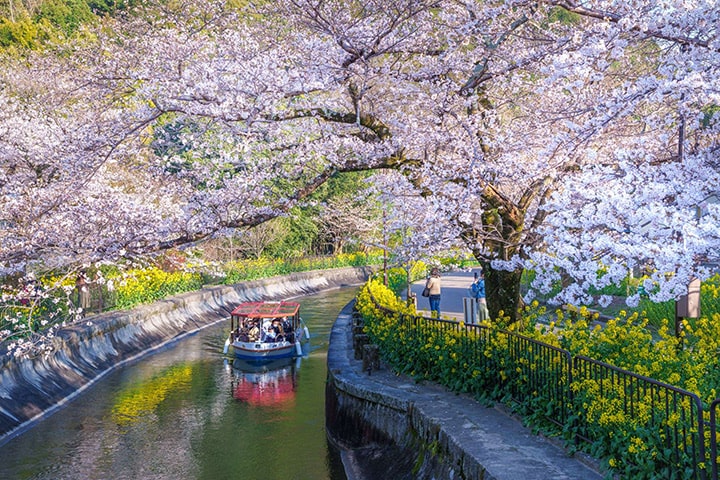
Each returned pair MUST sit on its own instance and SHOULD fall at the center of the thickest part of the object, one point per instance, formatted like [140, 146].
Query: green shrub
[23, 33]
[66, 15]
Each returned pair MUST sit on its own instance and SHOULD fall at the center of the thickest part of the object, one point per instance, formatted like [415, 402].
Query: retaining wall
[33, 388]
[377, 425]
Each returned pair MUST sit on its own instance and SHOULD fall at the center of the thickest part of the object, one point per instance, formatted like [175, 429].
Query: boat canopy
[266, 309]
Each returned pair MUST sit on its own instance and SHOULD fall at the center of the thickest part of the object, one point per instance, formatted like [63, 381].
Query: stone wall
[33, 388]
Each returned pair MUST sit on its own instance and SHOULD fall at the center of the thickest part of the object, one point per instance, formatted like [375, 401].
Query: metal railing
[549, 381]
[543, 374]
[672, 415]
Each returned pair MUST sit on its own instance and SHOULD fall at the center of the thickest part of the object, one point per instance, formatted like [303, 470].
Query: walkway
[496, 442]
[455, 286]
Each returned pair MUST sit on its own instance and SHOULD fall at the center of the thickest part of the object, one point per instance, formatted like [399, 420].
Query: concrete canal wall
[33, 388]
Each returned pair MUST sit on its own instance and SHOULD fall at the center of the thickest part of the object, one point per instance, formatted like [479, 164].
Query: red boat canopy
[266, 309]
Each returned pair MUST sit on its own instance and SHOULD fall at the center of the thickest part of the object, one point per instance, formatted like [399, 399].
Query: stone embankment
[33, 388]
[389, 426]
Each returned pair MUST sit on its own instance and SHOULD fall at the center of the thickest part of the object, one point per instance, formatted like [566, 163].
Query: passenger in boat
[268, 332]
[278, 329]
[288, 329]
[254, 331]
[242, 333]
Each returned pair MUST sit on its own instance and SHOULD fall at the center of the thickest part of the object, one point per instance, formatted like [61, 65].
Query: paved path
[454, 286]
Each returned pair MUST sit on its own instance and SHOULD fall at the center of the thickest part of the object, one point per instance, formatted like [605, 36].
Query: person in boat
[288, 331]
[268, 333]
[254, 331]
[278, 329]
[242, 333]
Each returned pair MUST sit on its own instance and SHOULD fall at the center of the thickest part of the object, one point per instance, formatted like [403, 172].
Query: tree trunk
[505, 221]
[502, 289]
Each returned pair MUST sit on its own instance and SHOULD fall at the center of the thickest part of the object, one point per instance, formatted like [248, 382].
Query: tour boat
[266, 331]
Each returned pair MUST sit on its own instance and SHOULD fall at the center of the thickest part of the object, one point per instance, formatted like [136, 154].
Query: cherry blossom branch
[605, 15]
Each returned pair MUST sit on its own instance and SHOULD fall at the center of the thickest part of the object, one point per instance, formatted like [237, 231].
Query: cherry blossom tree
[346, 219]
[574, 139]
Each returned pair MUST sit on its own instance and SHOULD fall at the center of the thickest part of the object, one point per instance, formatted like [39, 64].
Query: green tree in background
[28, 25]
[65, 15]
[23, 33]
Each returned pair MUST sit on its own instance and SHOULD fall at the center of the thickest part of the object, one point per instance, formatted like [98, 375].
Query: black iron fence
[672, 416]
[641, 422]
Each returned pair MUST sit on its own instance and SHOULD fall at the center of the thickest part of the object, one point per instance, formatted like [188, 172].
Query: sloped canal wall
[33, 388]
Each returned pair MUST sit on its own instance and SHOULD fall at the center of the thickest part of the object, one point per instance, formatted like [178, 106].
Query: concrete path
[499, 446]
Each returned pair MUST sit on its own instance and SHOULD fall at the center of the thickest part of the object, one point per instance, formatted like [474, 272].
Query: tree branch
[574, 7]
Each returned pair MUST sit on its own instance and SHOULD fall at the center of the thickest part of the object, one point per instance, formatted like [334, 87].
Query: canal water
[188, 412]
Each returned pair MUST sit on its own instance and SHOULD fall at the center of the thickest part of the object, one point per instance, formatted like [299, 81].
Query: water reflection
[271, 384]
[139, 401]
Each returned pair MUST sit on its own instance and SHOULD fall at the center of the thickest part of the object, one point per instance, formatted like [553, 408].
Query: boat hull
[268, 351]
[264, 351]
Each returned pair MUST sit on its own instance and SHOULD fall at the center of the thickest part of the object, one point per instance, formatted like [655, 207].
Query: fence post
[713, 438]
[469, 310]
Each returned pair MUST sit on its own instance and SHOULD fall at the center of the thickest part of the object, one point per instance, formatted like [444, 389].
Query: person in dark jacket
[478, 293]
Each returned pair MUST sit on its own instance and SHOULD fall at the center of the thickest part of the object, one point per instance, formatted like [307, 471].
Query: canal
[187, 412]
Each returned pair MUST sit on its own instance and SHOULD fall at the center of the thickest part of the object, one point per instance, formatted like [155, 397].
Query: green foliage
[169, 142]
[456, 259]
[657, 313]
[243, 270]
[664, 312]
[301, 232]
[393, 338]
[23, 33]
[397, 279]
[151, 284]
[110, 7]
[30, 26]
[418, 347]
[341, 185]
[632, 439]
[418, 270]
[563, 16]
[710, 115]
[615, 290]
[65, 15]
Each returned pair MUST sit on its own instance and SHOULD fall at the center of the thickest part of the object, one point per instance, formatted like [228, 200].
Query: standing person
[83, 286]
[433, 285]
[478, 292]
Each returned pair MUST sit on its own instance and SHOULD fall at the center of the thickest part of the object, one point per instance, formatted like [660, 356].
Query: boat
[266, 331]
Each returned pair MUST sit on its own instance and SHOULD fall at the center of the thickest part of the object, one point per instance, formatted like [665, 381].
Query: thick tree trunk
[502, 289]
[505, 222]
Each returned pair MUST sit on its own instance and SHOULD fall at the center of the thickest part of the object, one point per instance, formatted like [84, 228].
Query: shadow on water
[187, 412]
